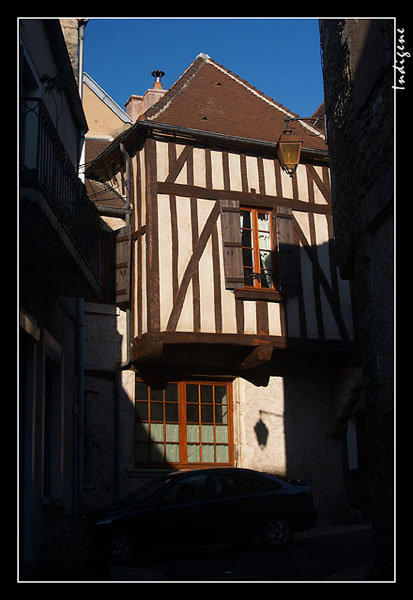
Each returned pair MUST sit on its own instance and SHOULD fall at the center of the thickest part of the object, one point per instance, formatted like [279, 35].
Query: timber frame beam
[259, 356]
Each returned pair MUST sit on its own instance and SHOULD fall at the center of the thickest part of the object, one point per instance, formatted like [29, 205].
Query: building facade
[59, 263]
[361, 70]
[226, 335]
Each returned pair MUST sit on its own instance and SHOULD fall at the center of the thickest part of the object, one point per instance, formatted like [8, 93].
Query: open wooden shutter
[123, 266]
[287, 251]
[232, 245]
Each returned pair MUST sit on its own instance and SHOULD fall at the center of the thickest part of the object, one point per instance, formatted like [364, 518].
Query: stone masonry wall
[358, 82]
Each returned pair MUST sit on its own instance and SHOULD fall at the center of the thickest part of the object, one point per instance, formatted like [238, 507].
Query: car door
[185, 514]
[237, 503]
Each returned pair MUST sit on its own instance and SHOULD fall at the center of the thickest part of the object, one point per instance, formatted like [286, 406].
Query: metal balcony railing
[45, 165]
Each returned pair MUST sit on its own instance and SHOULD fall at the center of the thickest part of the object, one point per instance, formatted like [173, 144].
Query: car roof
[280, 478]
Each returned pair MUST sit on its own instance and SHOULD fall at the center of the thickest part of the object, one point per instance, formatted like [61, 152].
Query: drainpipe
[126, 363]
[127, 174]
[81, 34]
[78, 492]
[116, 416]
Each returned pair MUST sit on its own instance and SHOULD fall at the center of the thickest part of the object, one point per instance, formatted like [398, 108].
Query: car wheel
[277, 533]
[122, 547]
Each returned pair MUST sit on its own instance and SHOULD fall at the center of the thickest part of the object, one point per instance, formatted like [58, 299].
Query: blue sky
[279, 56]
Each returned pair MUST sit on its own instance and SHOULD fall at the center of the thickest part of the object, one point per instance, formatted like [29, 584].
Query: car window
[235, 484]
[267, 482]
[188, 489]
[145, 492]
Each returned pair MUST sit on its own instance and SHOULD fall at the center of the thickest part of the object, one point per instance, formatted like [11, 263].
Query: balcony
[59, 225]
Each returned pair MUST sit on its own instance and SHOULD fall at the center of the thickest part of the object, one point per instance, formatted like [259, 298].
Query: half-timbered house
[230, 338]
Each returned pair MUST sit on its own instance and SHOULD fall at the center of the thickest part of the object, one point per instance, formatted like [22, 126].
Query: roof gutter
[222, 138]
[218, 139]
[229, 140]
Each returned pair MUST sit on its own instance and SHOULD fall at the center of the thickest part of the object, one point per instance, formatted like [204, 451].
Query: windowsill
[259, 294]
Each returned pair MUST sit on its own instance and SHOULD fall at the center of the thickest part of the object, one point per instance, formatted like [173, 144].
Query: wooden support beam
[259, 356]
[146, 349]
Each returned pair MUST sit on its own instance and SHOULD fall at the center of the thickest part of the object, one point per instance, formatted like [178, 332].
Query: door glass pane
[172, 452]
[220, 394]
[264, 241]
[263, 221]
[207, 413]
[172, 432]
[157, 432]
[192, 413]
[265, 259]
[171, 392]
[157, 453]
[221, 434]
[248, 277]
[208, 454]
[171, 412]
[266, 279]
[156, 394]
[192, 393]
[245, 218]
[246, 238]
[222, 454]
[192, 433]
[207, 393]
[193, 453]
[207, 432]
[247, 257]
[221, 414]
[156, 411]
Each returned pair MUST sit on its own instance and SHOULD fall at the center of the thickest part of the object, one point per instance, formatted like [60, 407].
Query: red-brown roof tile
[210, 97]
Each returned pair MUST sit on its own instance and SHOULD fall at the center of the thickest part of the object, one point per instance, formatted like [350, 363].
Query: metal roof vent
[158, 76]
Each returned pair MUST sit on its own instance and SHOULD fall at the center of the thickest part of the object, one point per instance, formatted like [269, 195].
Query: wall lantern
[289, 150]
[289, 145]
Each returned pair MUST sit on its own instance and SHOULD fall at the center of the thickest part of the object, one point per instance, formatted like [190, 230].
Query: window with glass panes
[256, 247]
[186, 423]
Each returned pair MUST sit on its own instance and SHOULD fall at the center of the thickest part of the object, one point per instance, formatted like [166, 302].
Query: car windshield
[145, 492]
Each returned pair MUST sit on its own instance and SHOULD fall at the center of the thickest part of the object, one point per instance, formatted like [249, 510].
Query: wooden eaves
[111, 159]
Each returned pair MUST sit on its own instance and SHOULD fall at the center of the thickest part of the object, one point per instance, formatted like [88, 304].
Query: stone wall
[286, 428]
[71, 35]
[359, 98]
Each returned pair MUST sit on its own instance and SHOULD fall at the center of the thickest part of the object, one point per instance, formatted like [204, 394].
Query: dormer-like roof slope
[211, 98]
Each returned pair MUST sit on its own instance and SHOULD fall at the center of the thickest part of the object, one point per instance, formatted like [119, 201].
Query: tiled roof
[211, 98]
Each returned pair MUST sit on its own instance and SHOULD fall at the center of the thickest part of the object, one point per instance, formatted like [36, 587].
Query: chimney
[137, 105]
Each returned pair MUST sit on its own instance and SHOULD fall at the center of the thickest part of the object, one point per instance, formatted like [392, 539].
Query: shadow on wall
[111, 426]
[261, 431]
[313, 450]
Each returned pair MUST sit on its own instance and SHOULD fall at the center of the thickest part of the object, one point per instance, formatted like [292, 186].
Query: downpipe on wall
[79, 409]
[121, 366]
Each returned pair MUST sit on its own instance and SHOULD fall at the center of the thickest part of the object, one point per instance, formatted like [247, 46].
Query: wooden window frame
[182, 421]
[256, 267]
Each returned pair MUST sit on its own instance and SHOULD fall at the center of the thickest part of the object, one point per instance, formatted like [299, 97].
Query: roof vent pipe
[158, 76]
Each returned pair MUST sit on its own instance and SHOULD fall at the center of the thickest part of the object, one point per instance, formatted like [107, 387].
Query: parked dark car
[207, 506]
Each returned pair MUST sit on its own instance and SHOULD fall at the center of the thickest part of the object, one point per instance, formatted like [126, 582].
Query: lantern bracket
[314, 120]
